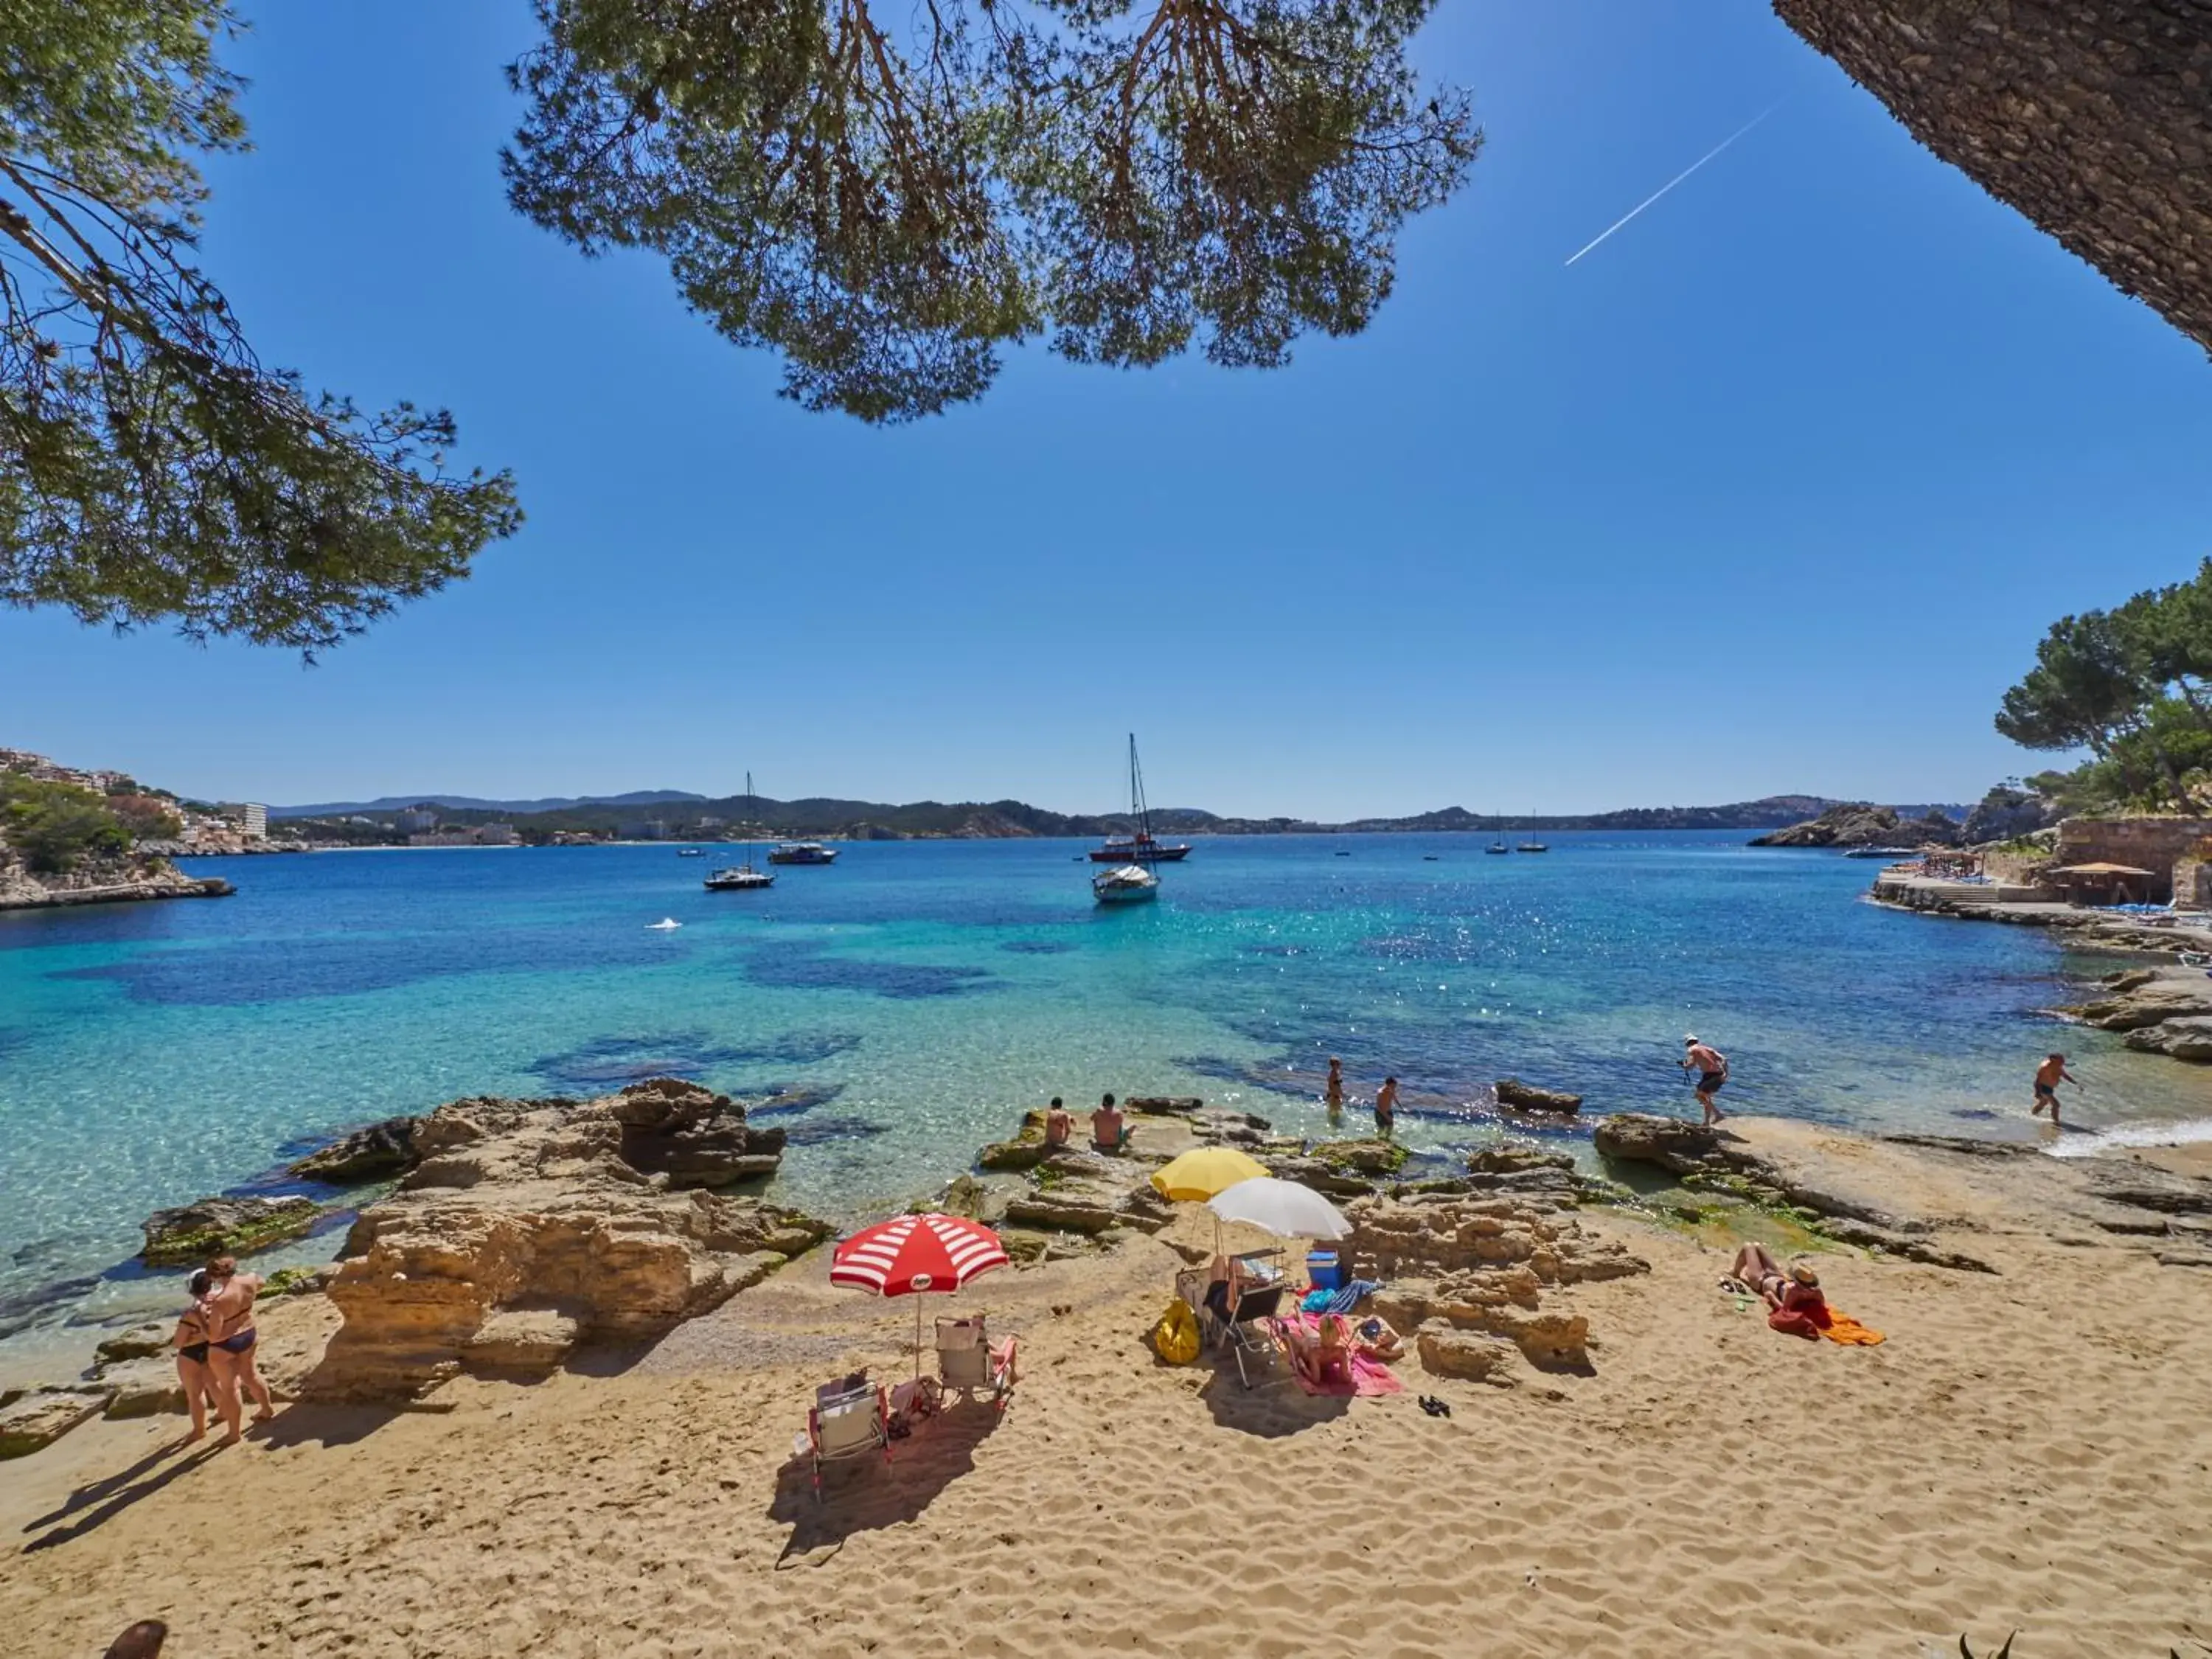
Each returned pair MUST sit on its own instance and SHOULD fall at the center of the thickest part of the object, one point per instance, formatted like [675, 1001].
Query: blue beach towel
[1339, 1302]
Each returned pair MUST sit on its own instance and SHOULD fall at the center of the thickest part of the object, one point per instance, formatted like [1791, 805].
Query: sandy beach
[2030, 1451]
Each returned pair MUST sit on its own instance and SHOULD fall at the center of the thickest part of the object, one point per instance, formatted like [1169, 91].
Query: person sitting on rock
[1059, 1124]
[1107, 1133]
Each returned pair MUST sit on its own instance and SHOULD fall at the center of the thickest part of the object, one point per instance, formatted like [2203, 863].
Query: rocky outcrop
[189, 1234]
[2186, 1038]
[1675, 1144]
[1714, 1159]
[1470, 1355]
[38, 1418]
[693, 1136]
[2146, 997]
[1493, 1265]
[531, 1227]
[1520, 1096]
[369, 1153]
[104, 881]
[1515, 1158]
[2008, 814]
[2088, 116]
[1861, 825]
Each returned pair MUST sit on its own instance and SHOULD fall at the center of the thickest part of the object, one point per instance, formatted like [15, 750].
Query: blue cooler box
[1323, 1269]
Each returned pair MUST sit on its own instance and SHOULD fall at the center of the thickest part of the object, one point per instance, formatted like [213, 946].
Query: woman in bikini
[190, 1339]
[232, 1337]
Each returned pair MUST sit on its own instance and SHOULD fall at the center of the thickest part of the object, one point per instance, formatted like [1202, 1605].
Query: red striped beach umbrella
[912, 1253]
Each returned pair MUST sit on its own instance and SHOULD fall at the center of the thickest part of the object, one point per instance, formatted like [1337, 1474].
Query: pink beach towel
[1369, 1377]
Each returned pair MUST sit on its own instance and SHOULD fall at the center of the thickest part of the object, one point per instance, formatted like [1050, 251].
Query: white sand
[2030, 1451]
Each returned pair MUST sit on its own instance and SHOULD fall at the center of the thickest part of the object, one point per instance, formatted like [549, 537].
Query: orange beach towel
[1842, 1327]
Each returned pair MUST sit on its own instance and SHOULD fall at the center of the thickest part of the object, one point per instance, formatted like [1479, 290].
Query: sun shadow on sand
[101, 1501]
[324, 1426]
[863, 1495]
[1275, 1410]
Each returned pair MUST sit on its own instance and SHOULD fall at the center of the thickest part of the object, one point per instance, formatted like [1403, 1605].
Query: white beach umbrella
[1283, 1207]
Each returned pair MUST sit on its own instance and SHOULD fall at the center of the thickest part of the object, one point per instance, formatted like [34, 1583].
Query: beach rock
[1326, 1178]
[215, 1226]
[1527, 1098]
[695, 1136]
[1056, 1210]
[1675, 1144]
[530, 1341]
[1012, 1155]
[2007, 814]
[1446, 1350]
[368, 1153]
[1857, 824]
[1515, 1158]
[2165, 998]
[142, 1387]
[977, 1200]
[136, 1343]
[1165, 1103]
[1025, 1152]
[1367, 1156]
[2186, 1038]
[535, 1208]
[38, 1418]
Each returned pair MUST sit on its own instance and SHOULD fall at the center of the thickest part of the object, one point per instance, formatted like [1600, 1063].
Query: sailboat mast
[1137, 793]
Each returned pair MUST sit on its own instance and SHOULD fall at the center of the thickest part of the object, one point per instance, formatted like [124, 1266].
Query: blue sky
[1773, 491]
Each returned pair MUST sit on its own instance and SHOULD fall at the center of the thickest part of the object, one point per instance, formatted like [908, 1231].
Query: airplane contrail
[1676, 179]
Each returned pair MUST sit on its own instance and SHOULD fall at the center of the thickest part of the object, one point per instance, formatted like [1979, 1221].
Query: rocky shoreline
[109, 881]
[522, 1234]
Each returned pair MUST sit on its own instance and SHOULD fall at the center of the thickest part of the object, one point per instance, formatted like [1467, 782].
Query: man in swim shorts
[2048, 1077]
[1711, 1067]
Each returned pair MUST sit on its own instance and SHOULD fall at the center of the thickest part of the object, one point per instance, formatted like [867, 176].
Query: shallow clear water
[909, 1001]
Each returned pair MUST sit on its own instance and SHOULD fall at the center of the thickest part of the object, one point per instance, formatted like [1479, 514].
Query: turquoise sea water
[902, 1007]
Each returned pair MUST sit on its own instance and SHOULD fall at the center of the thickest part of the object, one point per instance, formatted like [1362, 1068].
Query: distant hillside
[473, 804]
[680, 815]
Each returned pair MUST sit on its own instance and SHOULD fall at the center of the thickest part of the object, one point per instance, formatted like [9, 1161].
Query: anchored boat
[742, 878]
[1130, 883]
[801, 851]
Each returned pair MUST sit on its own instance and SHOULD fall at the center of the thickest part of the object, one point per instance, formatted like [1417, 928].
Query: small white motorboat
[666, 925]
[1132, 884]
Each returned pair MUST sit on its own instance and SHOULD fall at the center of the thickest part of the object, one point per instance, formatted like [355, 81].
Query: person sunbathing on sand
[1798, 1290]
[1318, 1355]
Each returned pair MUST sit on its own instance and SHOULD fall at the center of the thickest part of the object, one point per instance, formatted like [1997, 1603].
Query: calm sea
[900, 1007]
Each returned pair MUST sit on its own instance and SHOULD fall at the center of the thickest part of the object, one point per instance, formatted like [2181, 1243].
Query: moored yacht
[801, 851]
[1131, 883]
[742, 878]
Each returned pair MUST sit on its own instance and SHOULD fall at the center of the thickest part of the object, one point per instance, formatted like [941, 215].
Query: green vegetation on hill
[2133, 686]
[52, 826]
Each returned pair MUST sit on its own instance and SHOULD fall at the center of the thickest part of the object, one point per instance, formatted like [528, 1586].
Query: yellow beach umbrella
[1200, 1173]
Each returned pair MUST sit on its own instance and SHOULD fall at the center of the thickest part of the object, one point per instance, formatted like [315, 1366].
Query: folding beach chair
[845, 1422]
[968, 1360]
[1234, 1315]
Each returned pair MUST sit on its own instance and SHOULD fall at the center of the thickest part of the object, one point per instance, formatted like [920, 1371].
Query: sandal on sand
[1735, 1287]
[1434, 1406]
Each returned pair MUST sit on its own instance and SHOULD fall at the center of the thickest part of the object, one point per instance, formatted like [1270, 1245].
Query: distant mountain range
[473, 804]
[682, 812]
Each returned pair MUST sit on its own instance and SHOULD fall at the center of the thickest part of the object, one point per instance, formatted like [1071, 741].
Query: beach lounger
[968, 1361]
[846, 1422]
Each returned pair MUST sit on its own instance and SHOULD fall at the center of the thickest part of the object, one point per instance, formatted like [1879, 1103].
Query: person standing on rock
[190, 1339]
[1386, 1107]
[1711, 1067]
[2048, 1077]
[231, 1335]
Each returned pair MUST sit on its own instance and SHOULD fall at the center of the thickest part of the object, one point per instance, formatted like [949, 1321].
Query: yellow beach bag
[1174, 1339]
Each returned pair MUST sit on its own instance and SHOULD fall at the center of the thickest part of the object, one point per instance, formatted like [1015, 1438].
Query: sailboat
[742, 878]
[1132, 884]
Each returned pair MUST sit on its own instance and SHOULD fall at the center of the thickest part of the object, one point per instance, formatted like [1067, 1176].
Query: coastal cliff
[123, 877]
[1861, 825]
